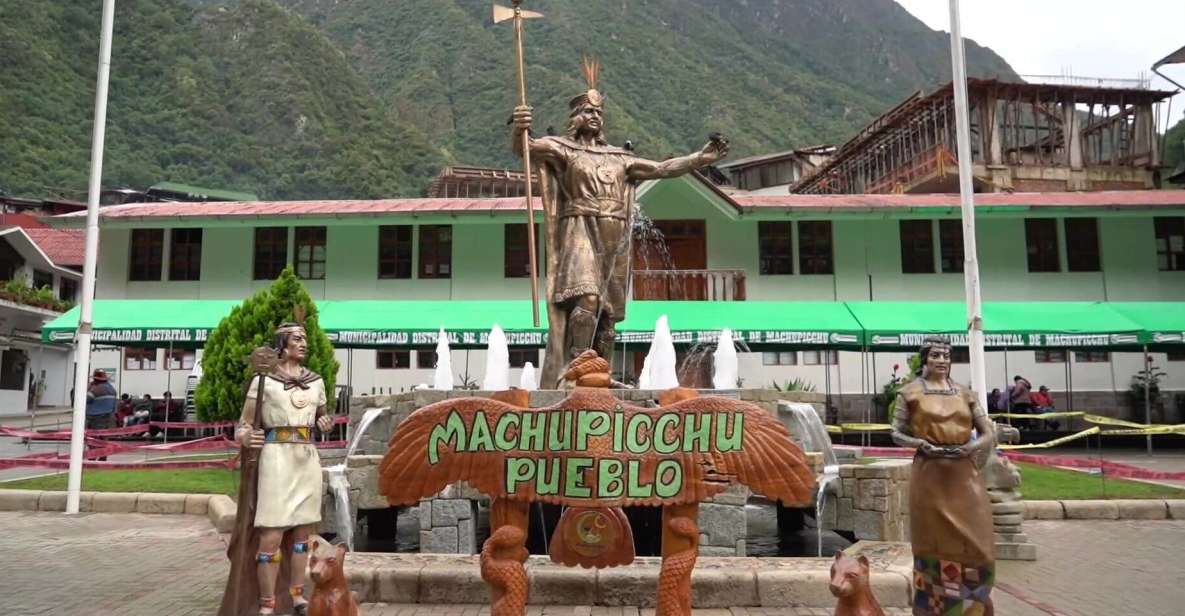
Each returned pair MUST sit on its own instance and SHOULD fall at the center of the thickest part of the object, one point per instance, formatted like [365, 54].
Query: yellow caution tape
[833, 429]
[1048, 415]
[1055, 442]
[865, 427]
[1178, 429]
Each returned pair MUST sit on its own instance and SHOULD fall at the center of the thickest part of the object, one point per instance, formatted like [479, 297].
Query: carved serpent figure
[502, 559]
[674, 579]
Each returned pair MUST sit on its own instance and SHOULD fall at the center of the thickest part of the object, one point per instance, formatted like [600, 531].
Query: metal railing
[689, 285]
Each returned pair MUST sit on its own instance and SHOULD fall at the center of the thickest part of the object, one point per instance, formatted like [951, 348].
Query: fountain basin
[716, 582]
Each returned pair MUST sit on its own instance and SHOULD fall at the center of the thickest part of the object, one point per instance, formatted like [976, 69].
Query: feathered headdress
[591, 67]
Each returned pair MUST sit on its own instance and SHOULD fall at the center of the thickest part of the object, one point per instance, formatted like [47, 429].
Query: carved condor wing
[594, 449]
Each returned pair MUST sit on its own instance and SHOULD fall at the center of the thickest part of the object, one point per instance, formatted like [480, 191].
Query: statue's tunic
[289, 492]
[950, 519]
[593, 208]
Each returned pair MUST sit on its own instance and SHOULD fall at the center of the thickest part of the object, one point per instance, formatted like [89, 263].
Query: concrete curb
[213, 506]
[1118, 509]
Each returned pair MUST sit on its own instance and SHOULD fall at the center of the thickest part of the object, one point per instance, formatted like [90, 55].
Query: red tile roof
[1099, 199]
[66, 248]
[743, 202]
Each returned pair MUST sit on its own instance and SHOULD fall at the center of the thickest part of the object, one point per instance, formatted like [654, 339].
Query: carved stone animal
[502, 559]
[331, 592]
[849, 583]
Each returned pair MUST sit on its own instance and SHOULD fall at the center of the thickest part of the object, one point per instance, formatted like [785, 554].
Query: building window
[950, 242]
[1092, 357]
[917, 247]
[310, 253]
[516, 259]
[436, 251]
[775, 248]
[181, 359]
[1176, 355]
[1170, 243]
[1041, 244]
[520, 357]
[426, 358]
[185, 254]
[814, 247]
[139, 359]
[1082, 244]
[42, 279]
[271, 252]
[1050, 356]
[68, 290]
[392, 359]
[145, 260]
[779, 358]
[960, 355]
[820, 358]
[12, 369]
[395, 251]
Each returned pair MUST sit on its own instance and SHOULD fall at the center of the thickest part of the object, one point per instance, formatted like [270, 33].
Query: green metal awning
[1010, 325]
[800, 325]
[760, 325]
[1163, 323]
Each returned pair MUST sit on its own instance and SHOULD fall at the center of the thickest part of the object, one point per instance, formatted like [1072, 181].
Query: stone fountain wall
[870, 500]
[448, 522]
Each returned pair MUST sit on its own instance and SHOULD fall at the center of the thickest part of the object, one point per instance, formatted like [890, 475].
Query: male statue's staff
[502, 14]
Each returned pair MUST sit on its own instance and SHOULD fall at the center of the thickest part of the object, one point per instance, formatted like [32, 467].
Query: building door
[669, 260]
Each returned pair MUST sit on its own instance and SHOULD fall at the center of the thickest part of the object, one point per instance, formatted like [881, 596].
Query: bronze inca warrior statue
[279, 503]
[587, 188]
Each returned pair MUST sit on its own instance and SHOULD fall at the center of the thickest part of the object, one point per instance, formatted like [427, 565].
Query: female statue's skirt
[950, 525]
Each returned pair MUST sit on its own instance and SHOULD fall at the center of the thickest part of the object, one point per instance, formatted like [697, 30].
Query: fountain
[442, 378]
[806, 426]
[497, 377]
[528, 380]
[339, 486]
[725, 362]
[661, 358]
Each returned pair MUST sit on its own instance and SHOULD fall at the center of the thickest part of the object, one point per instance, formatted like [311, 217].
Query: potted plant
[1145, 388]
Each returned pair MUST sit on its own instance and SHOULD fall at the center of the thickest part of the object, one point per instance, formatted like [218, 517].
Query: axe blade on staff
[501, 14]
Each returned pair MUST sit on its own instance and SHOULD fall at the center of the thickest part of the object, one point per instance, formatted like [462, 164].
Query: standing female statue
[280, 493]
[950, 514]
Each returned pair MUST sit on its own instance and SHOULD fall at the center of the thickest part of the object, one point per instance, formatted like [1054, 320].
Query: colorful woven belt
[289, 434]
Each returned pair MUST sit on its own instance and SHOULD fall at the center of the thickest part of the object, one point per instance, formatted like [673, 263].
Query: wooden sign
[593, 454]
[594, 450]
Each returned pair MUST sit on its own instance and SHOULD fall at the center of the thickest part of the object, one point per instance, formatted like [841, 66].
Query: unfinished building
[1025, 137]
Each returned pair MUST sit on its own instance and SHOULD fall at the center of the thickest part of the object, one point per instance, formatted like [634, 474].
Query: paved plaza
[139, 565]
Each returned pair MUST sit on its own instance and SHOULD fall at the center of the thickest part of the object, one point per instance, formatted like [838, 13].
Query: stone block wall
[448, 526]
[722, 523]
[870, 500]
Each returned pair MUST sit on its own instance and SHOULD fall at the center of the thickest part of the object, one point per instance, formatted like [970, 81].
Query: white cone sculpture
[497, 377]
[662, 357]
[528, 379]
[442, 378]
[725, 362]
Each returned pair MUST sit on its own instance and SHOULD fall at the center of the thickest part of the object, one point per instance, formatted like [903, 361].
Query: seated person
[123, 410]
[1043, 403]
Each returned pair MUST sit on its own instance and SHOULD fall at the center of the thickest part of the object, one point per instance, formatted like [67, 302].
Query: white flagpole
[970, 257]
[82, 347]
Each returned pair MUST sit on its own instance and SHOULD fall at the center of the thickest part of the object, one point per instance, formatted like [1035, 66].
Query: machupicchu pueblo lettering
[552, 449]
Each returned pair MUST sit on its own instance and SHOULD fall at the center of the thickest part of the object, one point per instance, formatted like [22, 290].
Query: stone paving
[137, 565]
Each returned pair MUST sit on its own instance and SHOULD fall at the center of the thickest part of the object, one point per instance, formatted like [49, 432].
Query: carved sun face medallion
[592, 532]
[300, 398]
[607, 175]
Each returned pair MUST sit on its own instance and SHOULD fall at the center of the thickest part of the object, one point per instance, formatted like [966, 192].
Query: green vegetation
[180, 481]
[225, 372]
[1174, 146]
[306, 99]
[795, 384]
[1045, 483]
[21, 292]
[249, 98]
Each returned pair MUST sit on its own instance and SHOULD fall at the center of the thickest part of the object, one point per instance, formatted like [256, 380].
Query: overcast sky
[1092, 38]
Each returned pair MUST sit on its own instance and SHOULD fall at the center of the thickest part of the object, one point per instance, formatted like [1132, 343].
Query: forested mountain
[366, 98]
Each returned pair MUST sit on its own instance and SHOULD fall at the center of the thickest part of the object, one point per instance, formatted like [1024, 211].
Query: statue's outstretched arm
[642, 169]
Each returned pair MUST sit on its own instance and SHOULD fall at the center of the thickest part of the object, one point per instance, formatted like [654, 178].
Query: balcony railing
[690, 285]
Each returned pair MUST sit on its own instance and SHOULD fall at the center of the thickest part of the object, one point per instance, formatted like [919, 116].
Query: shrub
[225, 372]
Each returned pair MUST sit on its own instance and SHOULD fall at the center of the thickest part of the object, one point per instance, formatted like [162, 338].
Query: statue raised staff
[587, 187]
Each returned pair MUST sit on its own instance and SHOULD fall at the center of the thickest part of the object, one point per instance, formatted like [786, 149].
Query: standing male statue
[587, 187]
[279, 502]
